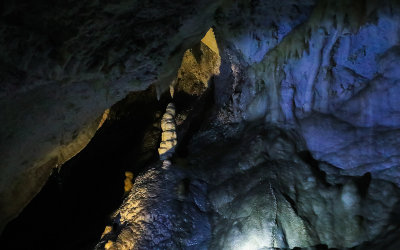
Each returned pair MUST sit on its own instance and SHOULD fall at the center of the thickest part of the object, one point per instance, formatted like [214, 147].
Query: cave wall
[263, 192]
[328, 70]
[317, 75]
[300, 148]
[249, 186]
[65, 62]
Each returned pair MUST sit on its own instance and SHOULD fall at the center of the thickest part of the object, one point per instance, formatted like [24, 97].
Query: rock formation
[313, 172]
[289, 123]
[128, 182]
[64, 63]
[168, 136]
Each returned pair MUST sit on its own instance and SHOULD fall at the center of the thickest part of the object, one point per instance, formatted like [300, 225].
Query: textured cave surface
[65, 62]
[288, 130]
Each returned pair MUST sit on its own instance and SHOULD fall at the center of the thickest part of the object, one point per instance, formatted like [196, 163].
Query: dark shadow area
[362, 183]
[308, 158]
[72, 209]
[200, 109]
[388, 240]
[318, 247]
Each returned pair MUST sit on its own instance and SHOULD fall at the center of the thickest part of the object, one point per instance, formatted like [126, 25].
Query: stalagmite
[168, 136]
[128, 182]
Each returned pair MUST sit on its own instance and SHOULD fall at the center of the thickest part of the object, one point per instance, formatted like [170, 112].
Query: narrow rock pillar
[168, 136]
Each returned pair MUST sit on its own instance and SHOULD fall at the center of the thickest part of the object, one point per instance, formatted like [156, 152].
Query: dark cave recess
[72, 209]
[75, 204]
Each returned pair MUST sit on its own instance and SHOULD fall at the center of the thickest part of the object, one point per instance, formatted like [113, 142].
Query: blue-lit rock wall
[334, 76]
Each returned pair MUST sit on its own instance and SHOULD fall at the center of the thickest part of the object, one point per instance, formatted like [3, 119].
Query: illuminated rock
[128, 182]
[298, 148]
[334, 75]
[168, 136]
[257, 190]
[199, 65]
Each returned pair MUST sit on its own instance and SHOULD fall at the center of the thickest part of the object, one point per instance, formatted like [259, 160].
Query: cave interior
[157, 124]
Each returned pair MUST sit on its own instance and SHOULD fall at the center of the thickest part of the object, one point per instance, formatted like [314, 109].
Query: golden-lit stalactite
[171, 90]
[104, 118]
